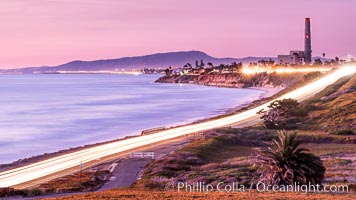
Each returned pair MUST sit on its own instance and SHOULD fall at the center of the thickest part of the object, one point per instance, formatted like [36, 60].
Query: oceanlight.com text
[259, 187]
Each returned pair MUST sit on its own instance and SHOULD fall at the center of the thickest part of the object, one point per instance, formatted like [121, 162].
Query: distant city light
[259, 69]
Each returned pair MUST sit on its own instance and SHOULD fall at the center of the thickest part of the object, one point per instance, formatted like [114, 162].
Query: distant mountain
[159, 60]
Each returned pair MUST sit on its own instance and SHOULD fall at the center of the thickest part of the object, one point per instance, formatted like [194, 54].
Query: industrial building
[300, 57]
[294, 58]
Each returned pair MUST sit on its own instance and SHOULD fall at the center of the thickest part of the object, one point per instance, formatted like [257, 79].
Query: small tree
[280, 112]
[285, 163]
[337, 60]
[210, 65]
[271, 62]
[236, 67]
[169, 71]
[318, 62]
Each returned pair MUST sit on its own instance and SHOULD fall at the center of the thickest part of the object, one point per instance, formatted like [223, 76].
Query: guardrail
[153, 130]
[142, 155]
[196, 136]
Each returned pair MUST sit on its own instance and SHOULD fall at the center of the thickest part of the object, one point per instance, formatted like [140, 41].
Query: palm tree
[197, 64]
[202, 64]
[285, 163]
[189, 66]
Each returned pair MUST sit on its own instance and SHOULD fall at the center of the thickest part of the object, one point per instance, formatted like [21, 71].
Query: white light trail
[47, 167]
[259, 69]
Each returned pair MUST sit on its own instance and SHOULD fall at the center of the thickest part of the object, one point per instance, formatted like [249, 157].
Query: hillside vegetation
[240, 80]
[155, 195]
[334, 109]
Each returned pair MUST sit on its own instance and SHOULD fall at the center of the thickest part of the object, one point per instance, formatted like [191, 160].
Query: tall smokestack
[307, 42]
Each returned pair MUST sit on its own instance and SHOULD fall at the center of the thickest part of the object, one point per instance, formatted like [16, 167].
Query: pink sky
[52, 32]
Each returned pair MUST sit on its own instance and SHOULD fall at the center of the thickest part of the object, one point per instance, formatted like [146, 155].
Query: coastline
[244, 117]
[237, 80]
[36, 158]
[52, 107]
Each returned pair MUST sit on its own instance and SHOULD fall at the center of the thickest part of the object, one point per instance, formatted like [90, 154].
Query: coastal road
[17, 176]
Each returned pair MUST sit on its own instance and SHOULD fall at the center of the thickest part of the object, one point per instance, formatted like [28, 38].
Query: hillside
[334, 109]
[159, 60]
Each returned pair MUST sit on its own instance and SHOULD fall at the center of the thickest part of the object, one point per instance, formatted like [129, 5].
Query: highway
[50, 166]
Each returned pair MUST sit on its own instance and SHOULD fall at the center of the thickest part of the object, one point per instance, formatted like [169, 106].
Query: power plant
[307, 42]
[297, 57]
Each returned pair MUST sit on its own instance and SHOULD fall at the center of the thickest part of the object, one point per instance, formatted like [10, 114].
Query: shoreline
[244, 117]
[269, 92]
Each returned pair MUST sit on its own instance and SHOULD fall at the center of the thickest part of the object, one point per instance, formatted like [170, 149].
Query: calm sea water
[46, 113]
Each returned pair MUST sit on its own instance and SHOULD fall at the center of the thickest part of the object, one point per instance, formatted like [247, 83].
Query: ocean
[47, 113]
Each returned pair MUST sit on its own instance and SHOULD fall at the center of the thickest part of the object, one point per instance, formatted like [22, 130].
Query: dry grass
[335, 106]
[330, 149]
[217, 150]
[154, 195]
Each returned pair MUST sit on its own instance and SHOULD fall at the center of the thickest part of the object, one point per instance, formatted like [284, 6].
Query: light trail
[279, 70]
[50, 166]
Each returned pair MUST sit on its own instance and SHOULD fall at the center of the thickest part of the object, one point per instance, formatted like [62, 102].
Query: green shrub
[343, 132]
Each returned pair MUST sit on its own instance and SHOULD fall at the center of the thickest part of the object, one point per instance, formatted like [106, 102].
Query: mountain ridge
[157, 60]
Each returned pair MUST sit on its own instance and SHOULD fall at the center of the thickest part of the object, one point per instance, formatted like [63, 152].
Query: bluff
[239, 80]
